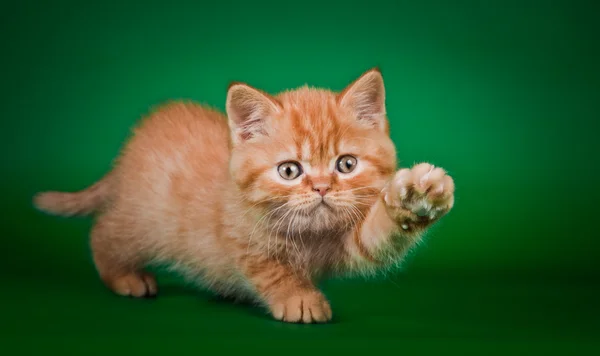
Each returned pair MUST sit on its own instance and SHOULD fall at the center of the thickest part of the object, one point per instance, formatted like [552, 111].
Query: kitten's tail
[81, 203]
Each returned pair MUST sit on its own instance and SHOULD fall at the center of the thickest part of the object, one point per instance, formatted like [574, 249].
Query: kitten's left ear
[365, 98]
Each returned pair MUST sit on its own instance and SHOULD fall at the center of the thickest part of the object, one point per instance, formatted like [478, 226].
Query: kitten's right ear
[248, 109]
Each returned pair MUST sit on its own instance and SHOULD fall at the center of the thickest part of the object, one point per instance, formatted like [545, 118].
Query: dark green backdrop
[504, 94]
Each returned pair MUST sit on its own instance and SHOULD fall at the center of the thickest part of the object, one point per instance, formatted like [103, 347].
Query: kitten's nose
[321, 189]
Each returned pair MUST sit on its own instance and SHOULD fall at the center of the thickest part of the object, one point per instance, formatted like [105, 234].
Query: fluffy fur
[203, 192]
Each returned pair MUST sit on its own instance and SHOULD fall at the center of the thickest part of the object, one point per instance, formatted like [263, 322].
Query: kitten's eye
[290, 170]
[346, 164]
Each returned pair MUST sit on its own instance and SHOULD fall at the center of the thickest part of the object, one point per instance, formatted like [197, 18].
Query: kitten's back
[178, 152]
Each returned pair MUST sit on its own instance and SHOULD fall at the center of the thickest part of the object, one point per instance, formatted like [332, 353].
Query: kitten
[261, 204]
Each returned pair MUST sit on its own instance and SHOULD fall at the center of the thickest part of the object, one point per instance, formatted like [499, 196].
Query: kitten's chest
[316, 258]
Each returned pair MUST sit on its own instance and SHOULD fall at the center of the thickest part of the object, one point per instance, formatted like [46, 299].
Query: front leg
[410, 203]
[290, 296]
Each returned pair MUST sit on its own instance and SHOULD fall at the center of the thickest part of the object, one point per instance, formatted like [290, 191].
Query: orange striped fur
[205, 193]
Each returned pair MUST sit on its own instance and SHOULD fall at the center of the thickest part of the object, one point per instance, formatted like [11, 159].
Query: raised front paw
[418, 196]
[302, 307]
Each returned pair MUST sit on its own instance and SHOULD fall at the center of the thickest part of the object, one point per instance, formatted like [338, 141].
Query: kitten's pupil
[346, 164]
[290, 170]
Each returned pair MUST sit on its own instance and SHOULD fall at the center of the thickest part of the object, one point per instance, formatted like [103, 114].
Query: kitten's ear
[248, 109]
[365, 98]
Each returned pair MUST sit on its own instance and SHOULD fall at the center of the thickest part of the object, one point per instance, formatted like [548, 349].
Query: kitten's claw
[419, 196]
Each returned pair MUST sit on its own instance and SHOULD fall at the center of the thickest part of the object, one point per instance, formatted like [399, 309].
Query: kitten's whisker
[365, 187]
[275, 229]
[264, 201]
[292, 221]
[363, 203]
[254, 229]
[268, 217]
[357, 217]
[358, 211]
[300, 236]
[287, 233]
[294, 240]
[366, 196]
[350, 217]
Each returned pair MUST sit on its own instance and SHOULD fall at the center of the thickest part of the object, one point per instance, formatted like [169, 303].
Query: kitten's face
[311, 165]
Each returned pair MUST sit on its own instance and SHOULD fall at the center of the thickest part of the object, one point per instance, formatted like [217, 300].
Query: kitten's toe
[293, 310]
[318, 312]
[135, 285]
[151, 285]
[432, 192]
[308, 308]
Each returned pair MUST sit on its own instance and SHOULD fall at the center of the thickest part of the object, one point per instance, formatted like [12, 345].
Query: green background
[504, 94]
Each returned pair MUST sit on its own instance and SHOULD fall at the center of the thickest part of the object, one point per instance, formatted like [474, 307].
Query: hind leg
[117, 251]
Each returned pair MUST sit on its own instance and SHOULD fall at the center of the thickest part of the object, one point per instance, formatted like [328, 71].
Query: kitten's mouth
[317, 207]
[324, 205]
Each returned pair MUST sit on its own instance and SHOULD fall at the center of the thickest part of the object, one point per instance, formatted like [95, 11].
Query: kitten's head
[310, 159]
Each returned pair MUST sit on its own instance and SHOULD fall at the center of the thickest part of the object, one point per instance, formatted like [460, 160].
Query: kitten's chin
[325, 218]
[324, 207]
[316, 218]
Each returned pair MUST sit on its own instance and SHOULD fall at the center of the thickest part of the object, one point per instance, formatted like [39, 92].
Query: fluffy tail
[82, 203]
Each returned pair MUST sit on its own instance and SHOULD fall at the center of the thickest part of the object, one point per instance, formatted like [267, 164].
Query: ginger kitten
[263, 203]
